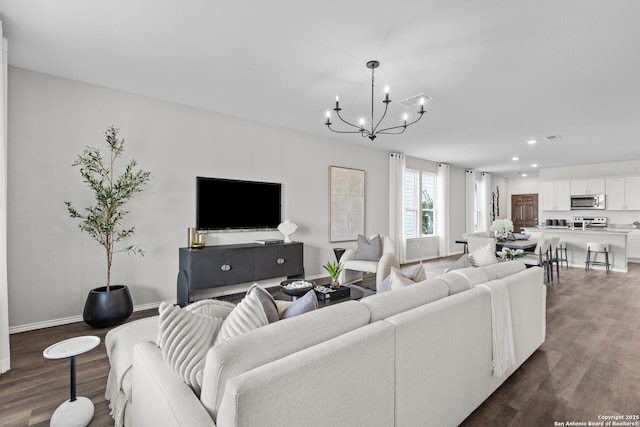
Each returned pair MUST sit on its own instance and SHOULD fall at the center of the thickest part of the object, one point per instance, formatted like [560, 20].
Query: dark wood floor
[588, 366]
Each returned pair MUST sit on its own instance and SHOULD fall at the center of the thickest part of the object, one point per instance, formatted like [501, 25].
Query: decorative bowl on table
[296, 287]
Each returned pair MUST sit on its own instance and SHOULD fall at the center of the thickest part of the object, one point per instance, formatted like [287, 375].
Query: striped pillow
[211, 308]
[184, 339]
[249, 314]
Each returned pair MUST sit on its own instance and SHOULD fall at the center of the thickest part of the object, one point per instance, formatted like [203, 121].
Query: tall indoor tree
[103, 221]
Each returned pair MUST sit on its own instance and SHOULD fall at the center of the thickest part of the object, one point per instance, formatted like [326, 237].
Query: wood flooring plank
[541, 409]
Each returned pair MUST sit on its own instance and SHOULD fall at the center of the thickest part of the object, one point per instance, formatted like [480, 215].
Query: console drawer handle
[280, 261]
[225, 267]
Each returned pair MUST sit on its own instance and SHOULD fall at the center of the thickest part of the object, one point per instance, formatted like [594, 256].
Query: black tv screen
[227, 204]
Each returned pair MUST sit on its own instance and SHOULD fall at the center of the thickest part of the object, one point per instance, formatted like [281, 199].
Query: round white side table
[77, 411]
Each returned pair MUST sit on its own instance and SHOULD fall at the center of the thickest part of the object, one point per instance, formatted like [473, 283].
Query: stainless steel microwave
[588, 201]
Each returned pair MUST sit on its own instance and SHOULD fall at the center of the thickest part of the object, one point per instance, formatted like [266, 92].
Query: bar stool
[553, 256]
[595, 248]
[562, 253]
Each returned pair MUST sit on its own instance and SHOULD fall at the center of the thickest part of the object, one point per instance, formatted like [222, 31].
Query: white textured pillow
[184, 339]
[249, 314]
[211, 308]
[398, 280]
[483, 256]
[420, 274]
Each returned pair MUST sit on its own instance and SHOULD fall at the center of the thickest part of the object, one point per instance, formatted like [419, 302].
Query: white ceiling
[500, 72]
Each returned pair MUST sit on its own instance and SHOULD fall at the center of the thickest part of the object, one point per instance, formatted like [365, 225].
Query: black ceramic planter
[104, 309]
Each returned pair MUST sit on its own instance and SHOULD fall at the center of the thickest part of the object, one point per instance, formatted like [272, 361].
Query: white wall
[457, 205]
[52, 265]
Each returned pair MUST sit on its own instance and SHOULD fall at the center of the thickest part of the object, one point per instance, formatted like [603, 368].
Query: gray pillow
[369, 250]
[307, 302]
[267, 301]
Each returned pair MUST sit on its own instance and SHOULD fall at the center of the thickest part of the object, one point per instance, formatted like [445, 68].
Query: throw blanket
[120, 350]
[501, 327]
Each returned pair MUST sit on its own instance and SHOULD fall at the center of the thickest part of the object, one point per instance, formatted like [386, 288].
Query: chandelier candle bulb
[386, 93]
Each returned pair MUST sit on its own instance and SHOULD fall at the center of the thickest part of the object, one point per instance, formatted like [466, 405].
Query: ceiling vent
[414, 100]
[552, 138]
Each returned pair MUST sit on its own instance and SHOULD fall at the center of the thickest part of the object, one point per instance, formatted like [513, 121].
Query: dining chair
[540, 257]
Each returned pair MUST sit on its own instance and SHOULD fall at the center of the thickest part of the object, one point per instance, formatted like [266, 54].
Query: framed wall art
[346, 203]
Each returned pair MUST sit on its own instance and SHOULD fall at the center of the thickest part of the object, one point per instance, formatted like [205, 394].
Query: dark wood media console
[215, 266]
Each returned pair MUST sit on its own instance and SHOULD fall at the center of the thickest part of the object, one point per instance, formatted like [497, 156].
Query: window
[419, 201]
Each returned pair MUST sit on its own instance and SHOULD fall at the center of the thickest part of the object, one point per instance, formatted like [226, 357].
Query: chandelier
[374, 130]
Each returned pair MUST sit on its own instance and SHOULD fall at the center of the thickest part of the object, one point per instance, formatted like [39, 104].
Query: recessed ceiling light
[515, 158]
[531, 141]
[534, 165]
[524, 174]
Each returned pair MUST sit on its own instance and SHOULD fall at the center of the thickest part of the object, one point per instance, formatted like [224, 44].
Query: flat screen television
[228, 204]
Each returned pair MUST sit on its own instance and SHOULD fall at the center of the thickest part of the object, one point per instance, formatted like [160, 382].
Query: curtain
[442, 206]
[470, 198]
[485, 202]
[4, 292]
[397, 166]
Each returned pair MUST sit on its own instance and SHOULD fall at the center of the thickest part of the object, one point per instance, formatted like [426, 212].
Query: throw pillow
[249, 314]
[419, 274]
[211, 308]
[369, 250]
[398, 280]
[307, 302]
[416, 273]
[482, 256]
[184, 339]
[267, 301]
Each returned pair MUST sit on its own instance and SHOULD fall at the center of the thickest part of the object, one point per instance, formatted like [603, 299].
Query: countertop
[588, 230]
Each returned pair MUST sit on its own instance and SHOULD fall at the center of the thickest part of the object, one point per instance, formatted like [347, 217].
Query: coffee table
[355, 294]
[77, 411]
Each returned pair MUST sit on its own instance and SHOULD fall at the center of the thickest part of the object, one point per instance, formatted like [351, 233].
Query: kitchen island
[577, 240]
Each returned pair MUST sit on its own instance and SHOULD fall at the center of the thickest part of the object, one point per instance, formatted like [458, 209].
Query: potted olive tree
[108, 305]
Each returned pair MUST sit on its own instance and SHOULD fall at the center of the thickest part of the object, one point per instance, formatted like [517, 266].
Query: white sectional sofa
[421, 355]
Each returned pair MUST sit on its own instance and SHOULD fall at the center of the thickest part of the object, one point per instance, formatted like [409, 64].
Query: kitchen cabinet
[633, 244]
[623, 193]
[555, 195]
[581, 187]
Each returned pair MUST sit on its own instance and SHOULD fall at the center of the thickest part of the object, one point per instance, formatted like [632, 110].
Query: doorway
[524, 211]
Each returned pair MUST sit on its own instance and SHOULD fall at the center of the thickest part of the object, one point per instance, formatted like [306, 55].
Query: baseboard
[599, 267]
[67, 320]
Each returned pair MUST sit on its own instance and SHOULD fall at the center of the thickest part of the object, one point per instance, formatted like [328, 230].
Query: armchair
[352, 268]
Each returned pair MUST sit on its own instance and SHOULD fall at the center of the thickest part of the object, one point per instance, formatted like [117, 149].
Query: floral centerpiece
[511, 254]
[502, 227]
